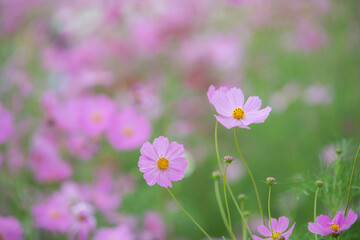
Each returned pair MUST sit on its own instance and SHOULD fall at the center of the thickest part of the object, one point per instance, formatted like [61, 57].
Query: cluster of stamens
[238, 113]
[334, 227]
[275, 235]
[128, 131]
[163, 163]
[96, 117]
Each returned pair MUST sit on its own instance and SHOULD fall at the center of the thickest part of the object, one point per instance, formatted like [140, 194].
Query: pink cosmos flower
[52, 215]
[6, 124]
[325, 226]
[278, 228]
[128, 130]
[97, 114]
[10, 228]
[84, 220]
[234, 113]
[212, 90]
[154, 227]
[162, 162]
[121, 232]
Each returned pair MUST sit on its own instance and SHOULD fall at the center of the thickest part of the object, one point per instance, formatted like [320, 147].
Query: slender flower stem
[315, 200]
[251, 176]
[188, 215]
[244, 222]
[351, 180]
[221, 207]
[337, 167]
[227, 204]
[269, 209]
[227, 184]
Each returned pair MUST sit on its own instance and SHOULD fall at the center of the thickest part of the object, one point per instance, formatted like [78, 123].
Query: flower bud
[228, 159]
[281, 237]
[246, 214]
[270, 180]
[241, 197]
[319, 183]
[338, 151]
[216, 175]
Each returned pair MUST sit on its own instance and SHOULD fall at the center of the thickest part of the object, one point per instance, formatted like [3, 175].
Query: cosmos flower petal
[236, 98]
[350, 219]
[317, 229]
[283, 224]
[264, 231]
[274, 224]
[151, 176]
[323, 220]
[288, 232]
[253, 103]
[148, 150]
[145, 164]
[258, 238]
[256, 116]
[230, 122]
[222, 104]
[161, 145]
[339, 218]
[178, 163]
[210, 92]
[174, 174]
[174, 150]
[163, 180]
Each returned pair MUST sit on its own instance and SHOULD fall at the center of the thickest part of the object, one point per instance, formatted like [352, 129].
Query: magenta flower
[162, 162]
[278, 227]
[10, 228]
[233, 112]
[121, 232]
[325, 226]
[129, 130]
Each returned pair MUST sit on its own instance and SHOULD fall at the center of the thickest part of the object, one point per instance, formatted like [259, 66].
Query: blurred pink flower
[234, 113]
[328, 154]
[318, 94]
[52, 215]
[84, 220]
[325, 226]
[96, 114]
[46, 163]
[10, 229]
[6, 124]
[154, 227]
[162, 162]
[128, 130]
[81, 146]
[67, 115]
[278, 227]
[121, 232]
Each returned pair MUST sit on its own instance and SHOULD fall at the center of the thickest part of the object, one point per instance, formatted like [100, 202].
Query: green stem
[244, 222]
[221, 207]
[226, 203]
[251, 176]
[227, 184]
[188, 215]
[269, 209]
[334, 193]
[315, 201]
[351, 180]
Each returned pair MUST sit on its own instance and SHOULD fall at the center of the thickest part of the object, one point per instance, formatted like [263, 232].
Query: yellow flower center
[96, 117]
[238, 113]
[55, 215]
[163, 163]
[128, 131]
[334, 227]
[275, 235]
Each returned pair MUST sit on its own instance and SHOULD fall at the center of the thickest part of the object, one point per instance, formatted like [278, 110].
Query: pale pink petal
[152, 176]
[146, 164]
[318, 229]
[148, 151]
[283, 224]
[174, 174]
[274, 224]
[163, 180]
[178, 163]
[256, 116]
[289, 232]
[339, 218]
[264, 231]
[174, 150]
[230, 122]
[350, 219]
[210, 93]
[236, 98]
[253, 103]
[160, 146]
[323, 220]
[258, 238]
[222, 104]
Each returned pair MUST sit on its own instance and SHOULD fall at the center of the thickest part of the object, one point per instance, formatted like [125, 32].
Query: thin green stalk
[269, 209]
[251, 176]
[188, 215]
[244, 222]
[227, 184]
[221, 207]
[334, 193]
[315, 201]
[227, 204]
[351, 180]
